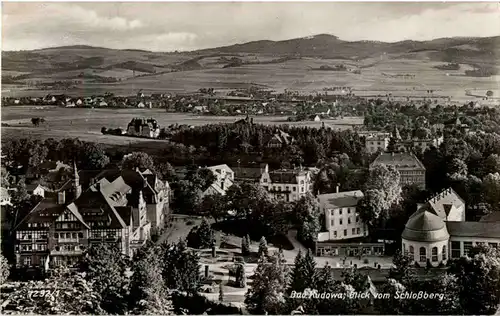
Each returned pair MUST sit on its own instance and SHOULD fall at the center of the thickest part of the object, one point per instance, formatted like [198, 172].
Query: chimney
[337, 188]
[61, 197]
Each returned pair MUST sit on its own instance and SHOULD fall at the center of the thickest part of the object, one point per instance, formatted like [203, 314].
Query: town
[384, 203]
[270, 158]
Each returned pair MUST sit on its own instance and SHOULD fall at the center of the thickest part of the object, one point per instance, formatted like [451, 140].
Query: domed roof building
[437, 231]
[426, 234]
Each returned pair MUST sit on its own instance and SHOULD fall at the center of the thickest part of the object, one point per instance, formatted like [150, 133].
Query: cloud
[167, 26]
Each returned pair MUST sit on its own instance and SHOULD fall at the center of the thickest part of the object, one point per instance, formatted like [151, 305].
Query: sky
[160, 26]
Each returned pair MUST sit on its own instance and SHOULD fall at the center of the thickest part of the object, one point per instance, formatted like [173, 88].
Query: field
[378, 77]
[86, 124]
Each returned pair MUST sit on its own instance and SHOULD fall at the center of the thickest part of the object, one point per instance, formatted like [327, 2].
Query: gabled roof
[443, 202]
[220, 167]
[99, 205]
[47, 210]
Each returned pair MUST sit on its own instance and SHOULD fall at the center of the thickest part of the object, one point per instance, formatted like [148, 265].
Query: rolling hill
[87, 65]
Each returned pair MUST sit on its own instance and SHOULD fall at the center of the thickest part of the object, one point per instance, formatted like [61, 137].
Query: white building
[224, 180]
[288, 185]
[376, 143]
[5, 198]
[437, 231]
[342, 221]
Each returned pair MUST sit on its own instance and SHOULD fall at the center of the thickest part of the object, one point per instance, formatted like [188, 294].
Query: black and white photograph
[250, 158]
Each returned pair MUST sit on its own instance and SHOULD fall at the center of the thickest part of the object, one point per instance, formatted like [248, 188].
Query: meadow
[86, 123]
[379, 76]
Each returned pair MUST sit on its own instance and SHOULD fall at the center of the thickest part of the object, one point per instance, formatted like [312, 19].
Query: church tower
[77, 187]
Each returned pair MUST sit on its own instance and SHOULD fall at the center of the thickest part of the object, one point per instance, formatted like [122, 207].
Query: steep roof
[398, 160]
[341, 199]
[443, 202]
[424, 226]
[474, 229]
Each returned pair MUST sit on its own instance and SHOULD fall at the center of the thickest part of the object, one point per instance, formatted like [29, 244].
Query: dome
[424, 226]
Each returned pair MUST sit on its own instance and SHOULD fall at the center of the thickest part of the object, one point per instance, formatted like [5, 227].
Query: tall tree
[240, 276]
[263, 249]
[245, 245]
[267, 293]
[387, 180]
[213, 205]
[307, 214]
[201, 236]
[148, 293]
[72, 294]
[402, 271]
[137, 159]
[106, 267]
[478, 276]
[4, 269]
[182, 268]
[392, 305]
[491, 190]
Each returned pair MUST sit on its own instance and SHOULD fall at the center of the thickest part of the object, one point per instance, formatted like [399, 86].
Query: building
[419, 145]
[5, 198]
[156, 193]
[411, 170]
[438, 232]
[224, 179]
[341, 218]
[289, 185]
[279, 140]
[251, 173]
[376, 143]
[35, 189]
[119, 207]
[142, 127]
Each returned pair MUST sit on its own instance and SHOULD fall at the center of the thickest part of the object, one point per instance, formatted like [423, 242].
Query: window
[467, 247]
[358, 230]
[332, 222]
[58, 248]
[302, 189]
[345, 232]
[434, 254]
[332, 212]
[340, 221]
[455, 249]
[27, 261]
[301, 181]
[348, 211]
[340, 211]
[80, 235]
[265, 180]
[287, 188]
[493, 245]
[412, 253]
[404, 248]
[445, 255]
[357, 218]
[348, 220]
[56, 235]
[294, 189]
[423, 254]
[353, 231]
[335, 233]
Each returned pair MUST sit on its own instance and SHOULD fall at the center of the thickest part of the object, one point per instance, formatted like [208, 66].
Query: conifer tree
[245, 245]
[263, 250]
[221, 293]
[241, 279]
